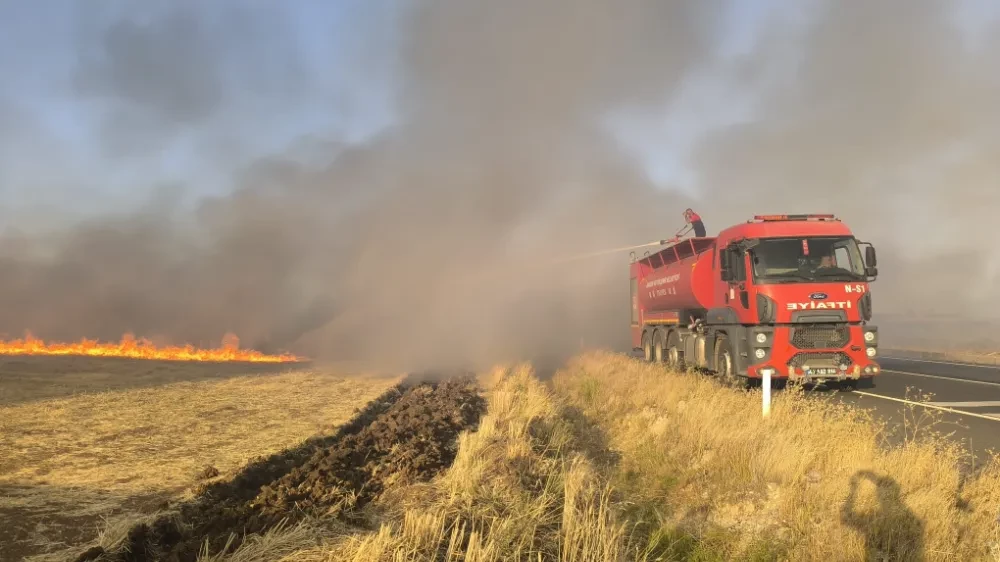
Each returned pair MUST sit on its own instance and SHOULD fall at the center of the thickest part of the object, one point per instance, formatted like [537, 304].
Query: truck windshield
[807, 260]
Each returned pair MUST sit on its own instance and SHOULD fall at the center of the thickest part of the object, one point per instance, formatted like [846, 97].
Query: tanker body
[782, 294]
[681, 282]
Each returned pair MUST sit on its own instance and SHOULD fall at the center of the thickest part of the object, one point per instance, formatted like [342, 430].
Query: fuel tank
[679, 277]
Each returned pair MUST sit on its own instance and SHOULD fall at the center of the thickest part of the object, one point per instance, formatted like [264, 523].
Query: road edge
[946, 356]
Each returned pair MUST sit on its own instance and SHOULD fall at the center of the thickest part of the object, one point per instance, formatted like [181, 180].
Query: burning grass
[67, 462]
[132, 348]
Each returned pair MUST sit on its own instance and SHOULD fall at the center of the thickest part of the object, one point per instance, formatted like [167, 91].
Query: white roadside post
[766, 387]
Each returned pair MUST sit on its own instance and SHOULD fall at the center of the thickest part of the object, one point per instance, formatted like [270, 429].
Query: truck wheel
[675, 358]
[647, 348]
[658, 346]
[725, 365]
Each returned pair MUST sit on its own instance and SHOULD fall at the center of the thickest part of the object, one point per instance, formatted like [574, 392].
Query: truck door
[735, 289]
[740, 261]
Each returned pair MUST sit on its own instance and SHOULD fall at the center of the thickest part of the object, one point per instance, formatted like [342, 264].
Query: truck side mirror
[871, 260]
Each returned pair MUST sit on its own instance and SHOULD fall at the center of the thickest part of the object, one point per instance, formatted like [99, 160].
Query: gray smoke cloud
[426, 247]
[887, 122]
[430, 245]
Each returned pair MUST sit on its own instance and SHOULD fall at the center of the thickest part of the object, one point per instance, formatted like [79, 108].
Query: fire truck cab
[783, 294]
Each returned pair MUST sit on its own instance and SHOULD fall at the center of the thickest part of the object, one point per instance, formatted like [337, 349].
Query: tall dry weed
[520, 489]
[816, 480]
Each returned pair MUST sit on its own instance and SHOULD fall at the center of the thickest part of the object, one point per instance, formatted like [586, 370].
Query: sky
[342, 89]
[50, 150]
[180, 169]
[327, 59]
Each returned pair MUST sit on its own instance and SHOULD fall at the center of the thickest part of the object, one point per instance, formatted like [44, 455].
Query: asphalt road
[965, 397]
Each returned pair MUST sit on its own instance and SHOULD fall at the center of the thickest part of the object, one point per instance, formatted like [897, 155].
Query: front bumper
[851, 362]
[818, 374]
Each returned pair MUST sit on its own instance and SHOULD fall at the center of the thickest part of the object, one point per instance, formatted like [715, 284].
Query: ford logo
[817, 296]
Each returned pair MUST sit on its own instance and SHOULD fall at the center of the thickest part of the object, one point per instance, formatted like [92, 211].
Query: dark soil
[409, 435]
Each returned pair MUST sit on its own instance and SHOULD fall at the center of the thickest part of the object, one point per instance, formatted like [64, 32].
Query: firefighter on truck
[694, 219]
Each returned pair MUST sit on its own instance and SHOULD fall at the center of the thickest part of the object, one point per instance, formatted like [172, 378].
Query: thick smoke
[426, 247]
[429, 245]
[886, 119]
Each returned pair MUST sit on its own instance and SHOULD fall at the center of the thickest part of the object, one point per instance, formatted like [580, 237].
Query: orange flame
[133, 348]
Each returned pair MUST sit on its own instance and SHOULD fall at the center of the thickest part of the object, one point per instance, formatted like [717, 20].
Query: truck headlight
[871, 352]
[869, 337]
[760, 353]
[761, 338]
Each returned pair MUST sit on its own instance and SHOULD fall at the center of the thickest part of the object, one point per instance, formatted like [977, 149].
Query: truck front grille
[821, 336]
[820, 359]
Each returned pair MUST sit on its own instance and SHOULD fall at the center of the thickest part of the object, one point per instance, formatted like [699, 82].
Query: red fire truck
[783, 295]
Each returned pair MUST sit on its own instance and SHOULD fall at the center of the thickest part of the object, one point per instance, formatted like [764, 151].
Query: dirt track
[406, 435]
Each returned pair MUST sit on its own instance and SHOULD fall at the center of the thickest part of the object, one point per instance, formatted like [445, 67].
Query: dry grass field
[611, 460]
[83, 440]
[621, 461]
[817, 480]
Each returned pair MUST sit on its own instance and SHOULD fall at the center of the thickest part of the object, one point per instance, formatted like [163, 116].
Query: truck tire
[647, 347]
[725, 364]
[675, 357]
[658, 345]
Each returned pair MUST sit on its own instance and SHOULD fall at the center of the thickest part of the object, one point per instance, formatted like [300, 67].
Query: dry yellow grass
[525, 486]
[625, 461]
[814, 481]
[66, 462]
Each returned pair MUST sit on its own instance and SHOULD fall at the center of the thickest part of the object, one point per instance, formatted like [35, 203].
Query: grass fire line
[132, 348]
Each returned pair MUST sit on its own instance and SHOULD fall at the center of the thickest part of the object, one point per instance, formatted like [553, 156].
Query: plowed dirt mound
[412, 439]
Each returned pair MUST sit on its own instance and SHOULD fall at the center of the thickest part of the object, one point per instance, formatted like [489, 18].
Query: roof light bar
[769, 218]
